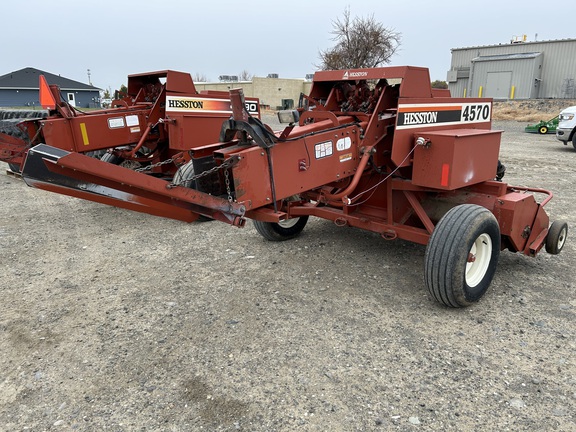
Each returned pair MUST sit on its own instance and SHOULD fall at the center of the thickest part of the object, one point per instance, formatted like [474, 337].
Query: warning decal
[323, 149]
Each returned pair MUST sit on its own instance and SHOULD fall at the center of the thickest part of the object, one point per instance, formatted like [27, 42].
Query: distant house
[21, 89]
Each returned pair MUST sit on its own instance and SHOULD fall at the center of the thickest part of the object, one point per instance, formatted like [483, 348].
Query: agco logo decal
[348, 75]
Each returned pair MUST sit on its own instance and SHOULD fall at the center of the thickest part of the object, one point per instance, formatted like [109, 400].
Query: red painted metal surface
[12, 149]
[455, 158]
[375, 149]
[161, 116]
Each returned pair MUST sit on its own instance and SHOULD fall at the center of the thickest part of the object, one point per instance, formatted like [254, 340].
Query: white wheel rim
[288, 223]
[562, 238]
[478, 260]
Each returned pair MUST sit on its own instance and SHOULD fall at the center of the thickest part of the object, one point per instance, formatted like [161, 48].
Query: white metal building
[516, 70]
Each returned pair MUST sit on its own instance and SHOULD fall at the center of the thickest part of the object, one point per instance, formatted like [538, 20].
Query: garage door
[498, 85]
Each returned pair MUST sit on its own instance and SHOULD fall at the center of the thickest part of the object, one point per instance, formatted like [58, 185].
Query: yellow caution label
[84, 134]
[345, 157]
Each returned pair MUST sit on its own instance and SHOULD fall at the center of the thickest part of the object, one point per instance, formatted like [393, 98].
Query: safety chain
[149, 167]
[223, 166]
[227, 182]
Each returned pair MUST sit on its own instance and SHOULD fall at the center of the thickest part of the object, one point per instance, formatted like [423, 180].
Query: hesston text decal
[196, 104]
[428, 115]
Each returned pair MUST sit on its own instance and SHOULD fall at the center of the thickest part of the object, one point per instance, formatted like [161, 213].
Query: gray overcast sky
[114, 38]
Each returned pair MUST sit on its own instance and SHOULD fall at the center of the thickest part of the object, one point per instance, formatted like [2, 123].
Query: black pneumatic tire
[574, 140]
[466, 231]
[96, 154]
[543, 130]
[183, 177]
[111, 158]
[10, 128]
[556, 237]
[284, 230]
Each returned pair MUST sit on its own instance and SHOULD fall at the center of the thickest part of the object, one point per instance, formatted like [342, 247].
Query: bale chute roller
[375, 149]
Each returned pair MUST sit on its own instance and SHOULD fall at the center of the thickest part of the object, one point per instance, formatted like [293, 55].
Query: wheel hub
[288, 223]
[478, 260]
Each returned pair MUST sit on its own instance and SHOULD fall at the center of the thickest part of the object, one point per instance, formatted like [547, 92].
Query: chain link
[149, 167]
[227, 181]
[223, 166]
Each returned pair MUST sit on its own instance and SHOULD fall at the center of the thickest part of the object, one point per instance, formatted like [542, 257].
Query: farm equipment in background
[13, 139]
[133, 132]
[543, 126]
[374, 149]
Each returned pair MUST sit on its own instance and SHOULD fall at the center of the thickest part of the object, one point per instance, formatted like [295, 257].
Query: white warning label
[323, 149]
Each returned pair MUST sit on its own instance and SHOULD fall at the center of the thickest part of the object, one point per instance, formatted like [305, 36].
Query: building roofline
[28, 77]
[61, 89]
[509, 56]
[512, 44]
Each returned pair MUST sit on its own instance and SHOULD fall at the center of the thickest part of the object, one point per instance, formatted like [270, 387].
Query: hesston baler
[133, 132]
[375, 149]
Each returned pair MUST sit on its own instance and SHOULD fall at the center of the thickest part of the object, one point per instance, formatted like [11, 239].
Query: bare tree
[198, 77]
[360, 43]
[245, 76]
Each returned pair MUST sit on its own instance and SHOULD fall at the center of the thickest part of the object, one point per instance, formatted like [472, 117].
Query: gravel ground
[112, 320]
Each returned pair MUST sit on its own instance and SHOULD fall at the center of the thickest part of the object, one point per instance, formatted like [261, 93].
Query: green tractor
[543, 127]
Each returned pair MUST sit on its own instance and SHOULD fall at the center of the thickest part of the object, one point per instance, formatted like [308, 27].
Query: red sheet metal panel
[456, 158]
[420, 115]
[516, 212]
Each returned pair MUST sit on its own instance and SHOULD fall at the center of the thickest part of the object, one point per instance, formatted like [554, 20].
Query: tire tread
[443, 251]
[274, 232]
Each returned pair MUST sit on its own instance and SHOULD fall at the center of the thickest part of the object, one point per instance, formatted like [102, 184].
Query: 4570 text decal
[475, 112]
[442, 114]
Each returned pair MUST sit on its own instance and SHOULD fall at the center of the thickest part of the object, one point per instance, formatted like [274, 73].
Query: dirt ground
[118, 321]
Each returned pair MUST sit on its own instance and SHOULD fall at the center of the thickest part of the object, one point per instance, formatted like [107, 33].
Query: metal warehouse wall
[558, 73]
[516, 76]
[270, 91]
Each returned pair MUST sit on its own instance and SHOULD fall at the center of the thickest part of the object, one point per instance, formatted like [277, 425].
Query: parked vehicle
[543, 126]
[566, 130]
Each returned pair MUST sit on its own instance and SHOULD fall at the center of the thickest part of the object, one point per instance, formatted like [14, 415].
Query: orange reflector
[46, 97]
[445, 175]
